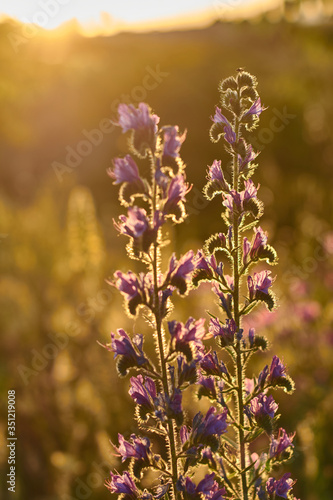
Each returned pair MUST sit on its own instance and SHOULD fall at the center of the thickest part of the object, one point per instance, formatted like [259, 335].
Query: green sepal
[131, 190]
[254, 206]
[222, 342]
[216, 131]
[251, 122]
[179, 418]
[268, 298]
[249, 171]
[245, 79]
[286, 383]
[141, 140]
[213, 442]
[200, 275]
[212, 188]
[248, 226]
[213, 244]
[230, 101]
[204, 392]
[142, 413]
[283, 457]
[228, 83]
[136, 467]
[251, 436]
[269, 254]
[177, 213]
[123, 364]
[180, 284]
[134, 303]
[249, 93]
[186, 349]
[266, 423]
[260, 342]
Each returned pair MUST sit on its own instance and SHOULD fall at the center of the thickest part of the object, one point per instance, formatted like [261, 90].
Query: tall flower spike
[240, 111]
[239, 405]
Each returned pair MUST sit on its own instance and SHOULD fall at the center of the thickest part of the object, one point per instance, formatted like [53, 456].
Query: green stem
[239, 355]
[171, 437]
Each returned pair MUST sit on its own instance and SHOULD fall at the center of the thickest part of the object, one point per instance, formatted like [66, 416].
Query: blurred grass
[58, 244]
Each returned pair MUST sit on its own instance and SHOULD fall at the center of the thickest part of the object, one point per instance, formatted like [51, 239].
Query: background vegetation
[58, 244]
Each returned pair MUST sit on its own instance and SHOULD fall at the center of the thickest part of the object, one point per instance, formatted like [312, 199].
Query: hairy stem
[171, 437]
[239, 355]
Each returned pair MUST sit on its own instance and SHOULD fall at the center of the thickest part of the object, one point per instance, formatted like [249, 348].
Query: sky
[50, 14]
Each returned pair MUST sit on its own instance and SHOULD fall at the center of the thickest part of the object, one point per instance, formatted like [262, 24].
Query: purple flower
[177, 191]
[138, 449]
[209, 263]
[131, 118]
[122, 485]
[226, 300]
[204, 427]
[143, 124]
[179, 272]
[250, 155]
[182, 335]
[263, 405]
[211, 365]
[229, 134]
[215, 174]
[172, 141]
[215, 424]
[262, 377]
[128, 284]
[184, 434]
[277, 370]
[279, 445]
[135, 225]
[124, 346]
[225, 334]
[207, 387]
[143, 391]
[256, 108]
[250, 190]
[280, 486]
[207, 487]
[175, 402]
[235, 199]
[251, 336]
[248, 385]
[187, 372]
[254, 249]
[125, 170]
[259, 242]
[259, 283]
[169, 406]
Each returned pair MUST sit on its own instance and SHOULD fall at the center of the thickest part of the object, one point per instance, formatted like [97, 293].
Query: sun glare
[111, 16]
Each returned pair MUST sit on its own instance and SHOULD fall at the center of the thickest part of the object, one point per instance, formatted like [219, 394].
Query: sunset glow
[111, 16]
